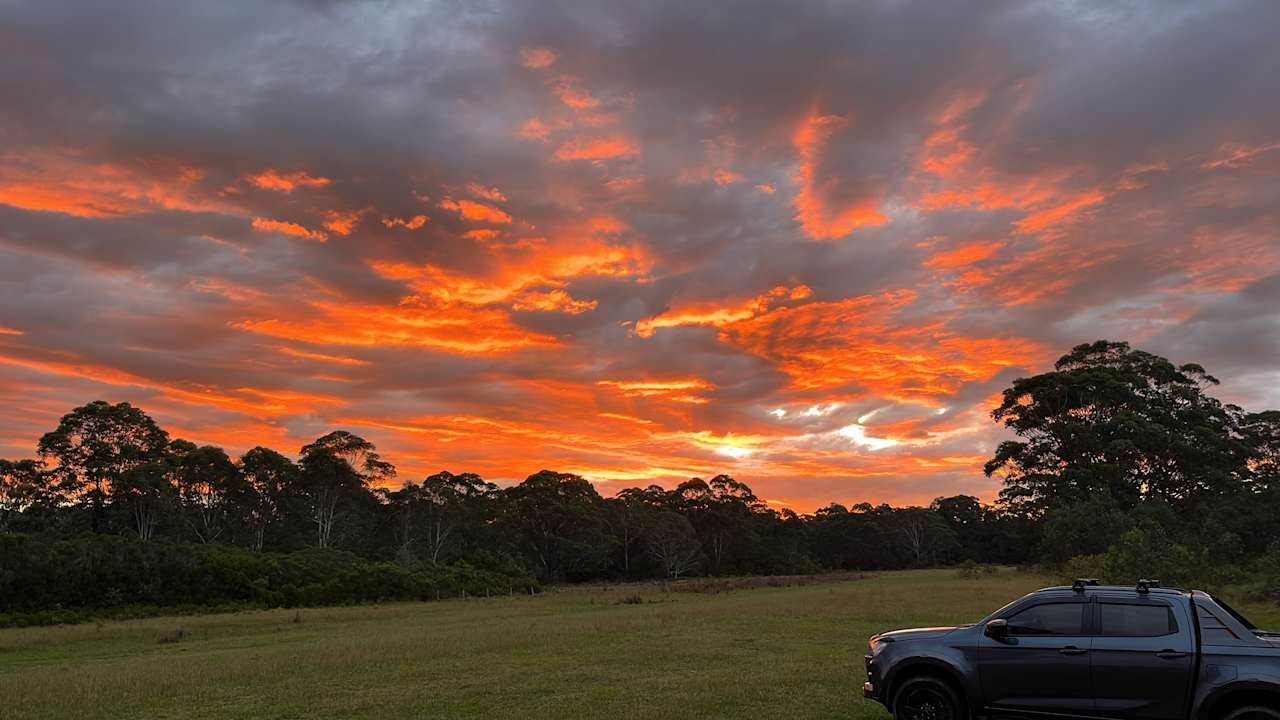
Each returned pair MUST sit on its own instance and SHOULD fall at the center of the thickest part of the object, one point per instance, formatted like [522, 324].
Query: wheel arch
[930, 667]
[1229, 697]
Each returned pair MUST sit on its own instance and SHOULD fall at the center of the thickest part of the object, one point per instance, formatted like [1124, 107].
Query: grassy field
[793, 652]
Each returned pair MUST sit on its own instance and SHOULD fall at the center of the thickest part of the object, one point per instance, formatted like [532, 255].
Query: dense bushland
[1121, 465]
[47, 579]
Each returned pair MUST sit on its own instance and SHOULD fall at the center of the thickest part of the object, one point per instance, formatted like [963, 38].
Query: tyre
[1253, 712]
[928, 698]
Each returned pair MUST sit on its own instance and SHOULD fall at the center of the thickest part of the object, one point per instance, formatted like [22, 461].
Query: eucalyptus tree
[1112, 420]
[271, 486]
[337, 471]
[95, 445]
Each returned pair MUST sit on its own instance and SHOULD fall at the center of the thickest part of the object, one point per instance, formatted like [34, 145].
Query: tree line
[1122, 461]
[112, 469]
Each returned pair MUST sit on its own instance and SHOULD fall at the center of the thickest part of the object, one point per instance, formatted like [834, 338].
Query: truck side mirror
[997, 629]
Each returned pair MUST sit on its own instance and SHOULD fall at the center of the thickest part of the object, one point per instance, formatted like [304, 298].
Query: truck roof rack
[1080, 583]
[1144, 586]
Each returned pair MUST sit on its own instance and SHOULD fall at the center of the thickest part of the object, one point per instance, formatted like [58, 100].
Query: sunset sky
[805, 244]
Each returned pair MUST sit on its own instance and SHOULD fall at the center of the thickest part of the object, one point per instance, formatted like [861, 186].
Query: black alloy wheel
[928, 699]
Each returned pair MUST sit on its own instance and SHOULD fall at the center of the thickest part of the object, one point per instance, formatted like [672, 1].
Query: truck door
[1043, 663]
[1143, 657]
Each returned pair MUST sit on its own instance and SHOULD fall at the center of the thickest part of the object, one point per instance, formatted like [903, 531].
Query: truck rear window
[1137, 620]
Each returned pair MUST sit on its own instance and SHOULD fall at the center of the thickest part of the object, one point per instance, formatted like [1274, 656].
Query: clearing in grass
[625, 651]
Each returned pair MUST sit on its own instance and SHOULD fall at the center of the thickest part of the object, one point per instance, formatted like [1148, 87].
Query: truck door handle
[1072, 650]
[1170, 654]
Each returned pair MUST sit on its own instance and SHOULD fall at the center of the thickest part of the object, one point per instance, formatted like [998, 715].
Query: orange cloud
[458, 329]
[821, 218]
[342, 223]
[413, 223]
[964, 255]
[552, 301]
[597, 149]
[286, 182]
[288, 228]
[1054, 217]
[491, 194]
[533, 128]
[945, 154]
[256, 402]
[685, 391]
[533, 270]
[570, 94]
[340, 360]
[482, 234]
[64, 181]
[537, 58]
[1236, 155]
[726, 177]
[477, 212]
[713, 314]
[985, 196]
[1225, 262]
[606, 225]
[863, 341]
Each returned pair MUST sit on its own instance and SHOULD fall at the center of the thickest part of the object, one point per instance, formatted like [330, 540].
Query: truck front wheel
[1253, 712]
[928, 698]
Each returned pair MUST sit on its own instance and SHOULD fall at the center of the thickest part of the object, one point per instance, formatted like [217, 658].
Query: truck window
[1137, 620]
[1049, 619]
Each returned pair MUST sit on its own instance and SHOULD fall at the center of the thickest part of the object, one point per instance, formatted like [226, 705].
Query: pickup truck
[1140, 652]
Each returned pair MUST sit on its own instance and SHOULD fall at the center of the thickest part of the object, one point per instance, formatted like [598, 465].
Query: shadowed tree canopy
[1261, 432]
[441, 515]
[1117, 421]
[97, 442]
[272, 488]
[335, 467]
[559, 520]
[22, 490]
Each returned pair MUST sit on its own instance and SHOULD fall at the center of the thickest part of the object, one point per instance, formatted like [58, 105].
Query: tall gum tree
[1116, 421]
[98, 443]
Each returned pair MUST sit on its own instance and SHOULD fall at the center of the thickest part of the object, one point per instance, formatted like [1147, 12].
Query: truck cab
[1140, 652]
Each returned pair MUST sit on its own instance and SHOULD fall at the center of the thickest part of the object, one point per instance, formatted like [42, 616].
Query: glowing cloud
[570, 94]
[686, 391]
[597, 149]
[413, 223]
[287, 228]
[821, 216]
[476, 212]
[552, 301]
[342, 223]
[286, 182]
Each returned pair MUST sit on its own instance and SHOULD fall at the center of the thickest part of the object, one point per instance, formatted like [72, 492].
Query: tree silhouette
[95, 443]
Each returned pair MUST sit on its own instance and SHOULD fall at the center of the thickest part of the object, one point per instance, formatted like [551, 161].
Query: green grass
[793, 652]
